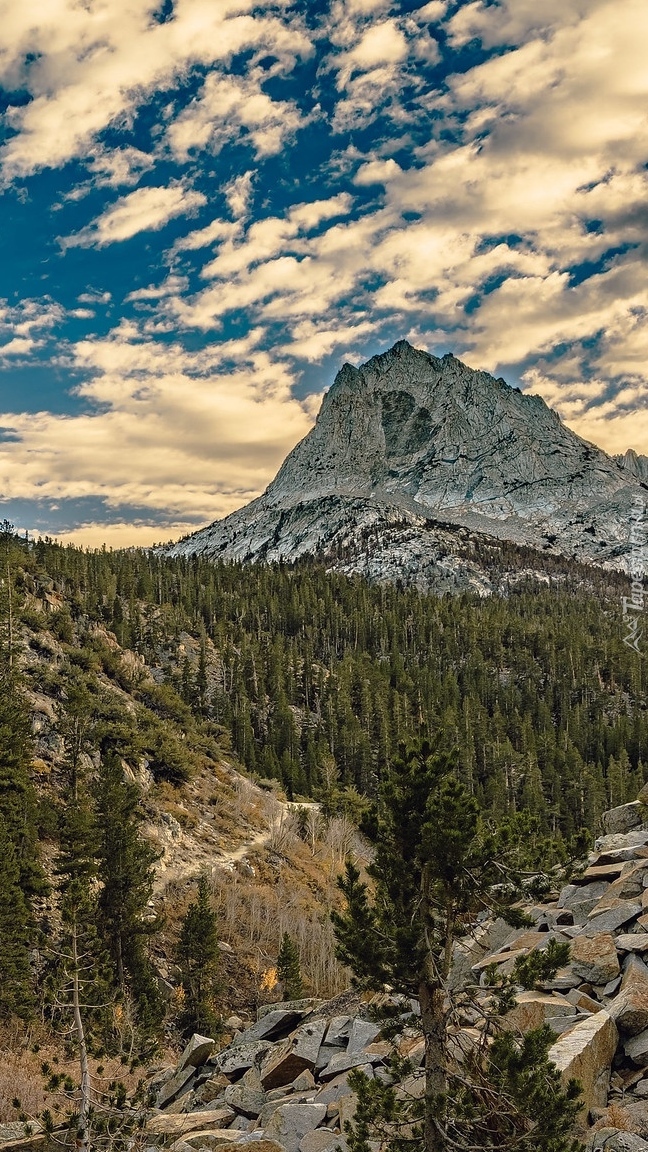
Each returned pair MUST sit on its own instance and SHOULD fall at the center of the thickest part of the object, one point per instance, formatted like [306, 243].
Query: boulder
[209, 1138]
[321, 1140]
[595, 958]
[308, 1004]
[624, 818]
[612, 1140]
[535, 1008]
[586, 1054]
[602, 871]
[234, 1062]
[273, 1025]
[344, 1062]
[629, 1009]
[573, 894]
[363, 1032]
[581, 1000]
[630, 883]
[291, 1122]
[338, 1087]
[179, 1124]
[633, 942]
[197, 1051]
[304, 1082]
[182, 1081]
[300, 1051]
[245, 1101]
[338, 1030]
[637, 1049]
[637, 837]
[612, 919]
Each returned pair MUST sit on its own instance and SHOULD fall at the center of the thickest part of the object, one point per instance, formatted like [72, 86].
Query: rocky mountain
[412, 454]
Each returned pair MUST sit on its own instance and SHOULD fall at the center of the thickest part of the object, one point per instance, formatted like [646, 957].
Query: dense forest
[312, 680]
[317, 677]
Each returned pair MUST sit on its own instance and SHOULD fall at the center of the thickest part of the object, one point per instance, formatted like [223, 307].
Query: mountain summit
[407, 449]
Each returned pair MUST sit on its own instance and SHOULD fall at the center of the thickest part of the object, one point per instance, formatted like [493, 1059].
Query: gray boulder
[624, 818]
[291, 1122]
[197, 1051]
[612, 1140]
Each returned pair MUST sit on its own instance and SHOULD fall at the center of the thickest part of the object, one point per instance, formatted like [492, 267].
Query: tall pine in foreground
[126, 877]
[435, 867]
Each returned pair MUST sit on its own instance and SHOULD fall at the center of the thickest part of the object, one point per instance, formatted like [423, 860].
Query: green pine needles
[436, 865]
[288, 969]
[198, 956]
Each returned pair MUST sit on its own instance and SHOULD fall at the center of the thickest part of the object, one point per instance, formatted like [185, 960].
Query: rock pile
[598, 1004]
[281, 1085]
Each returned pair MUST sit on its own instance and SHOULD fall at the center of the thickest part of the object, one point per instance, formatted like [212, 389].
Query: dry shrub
[20, 1076]
[254, 917]
[615, 1116]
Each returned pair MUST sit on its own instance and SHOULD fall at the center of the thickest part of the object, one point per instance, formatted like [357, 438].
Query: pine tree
[17, 796]
[434, 865]
[16, 991]
[126, 878]
[288, 968]
[198, 960]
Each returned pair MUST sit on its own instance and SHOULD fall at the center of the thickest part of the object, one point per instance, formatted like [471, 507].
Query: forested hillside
[317, 677]
[133, 685]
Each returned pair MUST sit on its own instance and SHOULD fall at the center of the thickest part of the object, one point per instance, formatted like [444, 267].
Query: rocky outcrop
[408, 453]
[281, 1084]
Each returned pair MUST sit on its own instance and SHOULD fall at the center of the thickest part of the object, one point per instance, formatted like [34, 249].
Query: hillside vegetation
[316, 677]
[156, 715]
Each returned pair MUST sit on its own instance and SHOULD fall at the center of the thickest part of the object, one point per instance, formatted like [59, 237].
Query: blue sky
[209, 205]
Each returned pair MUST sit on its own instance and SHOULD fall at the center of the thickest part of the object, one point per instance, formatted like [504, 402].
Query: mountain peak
[430, 438]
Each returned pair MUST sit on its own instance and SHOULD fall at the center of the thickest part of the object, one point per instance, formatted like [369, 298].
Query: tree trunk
[83, 1136]
[433, 1020]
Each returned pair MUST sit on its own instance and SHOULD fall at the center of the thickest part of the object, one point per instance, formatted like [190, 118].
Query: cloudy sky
[208, 205]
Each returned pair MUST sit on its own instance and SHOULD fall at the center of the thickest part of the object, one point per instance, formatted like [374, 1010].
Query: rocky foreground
[281, 1085]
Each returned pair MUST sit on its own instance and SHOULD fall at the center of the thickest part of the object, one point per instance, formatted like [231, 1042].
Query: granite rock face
[411, 454]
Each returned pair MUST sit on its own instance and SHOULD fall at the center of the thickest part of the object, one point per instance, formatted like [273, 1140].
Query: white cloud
[228, 107]
[376, 172]
[382, 43]
[187, 433]
[171, 286]
[93, 296]
[18, 346]
[119, 166]
[91, 66]
[24, 327]
[145, 209]
[238, 194]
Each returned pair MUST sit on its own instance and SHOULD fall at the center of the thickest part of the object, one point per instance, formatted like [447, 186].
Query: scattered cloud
[238, 194]
[185, 432]
[144, 210]
[227, 108]
[88, 67]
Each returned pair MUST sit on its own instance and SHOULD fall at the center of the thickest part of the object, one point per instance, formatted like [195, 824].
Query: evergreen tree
[435, 865]
[126, 878]
[16, 992]
[288, 968]
[198, 960]
[17, 798]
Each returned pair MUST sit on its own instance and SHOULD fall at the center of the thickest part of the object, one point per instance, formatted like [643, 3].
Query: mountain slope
[409, 447]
